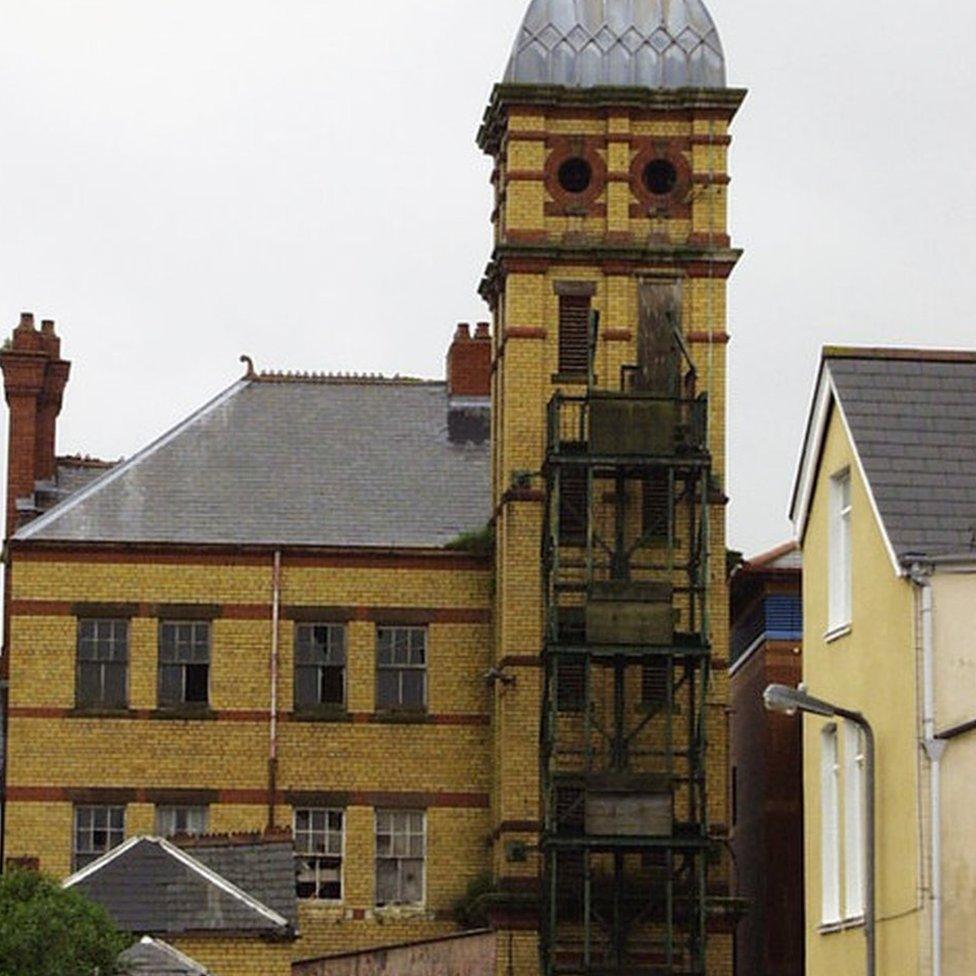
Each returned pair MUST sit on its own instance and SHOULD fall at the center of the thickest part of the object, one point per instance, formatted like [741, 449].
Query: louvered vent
[574, 316]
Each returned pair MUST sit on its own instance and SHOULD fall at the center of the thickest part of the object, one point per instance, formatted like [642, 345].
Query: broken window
[400, 853]
[401, 667]
[318, 853]
[102, 661]
[97, 831]
[191, 820]
[320, 665]
[184, 663]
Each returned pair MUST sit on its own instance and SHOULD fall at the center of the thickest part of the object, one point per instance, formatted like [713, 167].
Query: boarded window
[184, 663]
[320, 665]
[101, 664]
[401, 849]
[318, 853]
[658, 355]
[401, 667]
[574, 327]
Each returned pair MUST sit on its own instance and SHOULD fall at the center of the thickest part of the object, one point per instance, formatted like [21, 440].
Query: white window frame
[392, 817]
[304, 851]
[199, 812]
[855, 789]
[829, 827]
[113, 827]
[840, 553]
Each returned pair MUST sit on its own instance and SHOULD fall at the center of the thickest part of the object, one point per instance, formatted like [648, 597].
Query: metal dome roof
[642, 43]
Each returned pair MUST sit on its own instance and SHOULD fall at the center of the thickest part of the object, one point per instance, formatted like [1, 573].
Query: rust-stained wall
[465, 955]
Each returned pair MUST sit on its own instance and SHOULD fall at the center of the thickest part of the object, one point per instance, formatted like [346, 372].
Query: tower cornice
[723, 102]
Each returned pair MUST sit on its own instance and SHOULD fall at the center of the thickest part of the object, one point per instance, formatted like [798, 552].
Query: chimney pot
[47, 326]
[469, 363]
[481, 331]
[463, 331]
[26, 320]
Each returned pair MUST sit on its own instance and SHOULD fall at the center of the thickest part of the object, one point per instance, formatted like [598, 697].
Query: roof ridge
[181, 957]
[342, 378]
[241, 838]
[187, 860]
[770, 555]
[907, 353]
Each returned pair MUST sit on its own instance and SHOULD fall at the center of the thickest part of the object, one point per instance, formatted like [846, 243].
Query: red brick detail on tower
[469, 362]
[34, 378]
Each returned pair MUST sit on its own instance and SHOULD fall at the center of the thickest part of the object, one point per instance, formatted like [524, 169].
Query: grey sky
[181, 182]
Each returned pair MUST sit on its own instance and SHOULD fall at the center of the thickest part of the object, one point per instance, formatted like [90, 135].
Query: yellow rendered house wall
[954, 620]
[443, 765]
[872, 669]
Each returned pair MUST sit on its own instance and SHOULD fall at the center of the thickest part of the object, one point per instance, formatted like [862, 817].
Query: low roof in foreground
[284, 460]
[911, 414]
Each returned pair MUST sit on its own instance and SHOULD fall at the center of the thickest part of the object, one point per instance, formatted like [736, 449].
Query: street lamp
[783, 698]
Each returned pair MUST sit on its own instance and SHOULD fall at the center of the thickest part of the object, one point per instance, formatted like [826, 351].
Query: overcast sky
[181, 182]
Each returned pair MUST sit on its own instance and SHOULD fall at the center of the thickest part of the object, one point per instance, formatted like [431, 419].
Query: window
[573, 508]
[184, 663]
[655, 682]
[656, 505]
[839, 556]
[97, 831]
[103, 652]
[829, 827]
[318, 853]
[400, 852]
[854, 794]
[320, 659]
[182, 820]
[574, 333]
[401, 667]
[570, 685]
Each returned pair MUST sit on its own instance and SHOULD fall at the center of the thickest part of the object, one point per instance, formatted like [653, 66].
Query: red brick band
[245, 715]
[122, 795]
[195, 555]
[258, 611]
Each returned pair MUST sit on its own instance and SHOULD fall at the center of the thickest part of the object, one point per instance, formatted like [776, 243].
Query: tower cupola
[621, 43]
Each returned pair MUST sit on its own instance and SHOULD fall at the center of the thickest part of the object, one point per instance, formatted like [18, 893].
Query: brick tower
[607, 284]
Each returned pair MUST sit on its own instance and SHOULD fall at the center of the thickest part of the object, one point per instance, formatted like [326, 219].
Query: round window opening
[575, 175]
[660, 176]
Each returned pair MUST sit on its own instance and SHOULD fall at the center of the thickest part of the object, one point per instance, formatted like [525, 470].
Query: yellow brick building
[355, 607]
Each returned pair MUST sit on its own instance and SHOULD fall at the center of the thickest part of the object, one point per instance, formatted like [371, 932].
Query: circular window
[660, 176]
[575, 174]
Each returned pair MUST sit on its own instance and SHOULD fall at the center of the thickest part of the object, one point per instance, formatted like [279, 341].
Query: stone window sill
[321, 714]
[842, 925]
[835, 633]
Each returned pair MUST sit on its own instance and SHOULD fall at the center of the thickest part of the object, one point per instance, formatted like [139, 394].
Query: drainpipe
[273, 717]
[934, 748]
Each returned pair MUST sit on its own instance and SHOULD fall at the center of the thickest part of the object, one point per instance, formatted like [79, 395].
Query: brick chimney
[34, 377]
[469, 362]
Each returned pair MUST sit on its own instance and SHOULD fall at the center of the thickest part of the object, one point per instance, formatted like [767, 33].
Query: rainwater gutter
[273, 708]
[934, 748]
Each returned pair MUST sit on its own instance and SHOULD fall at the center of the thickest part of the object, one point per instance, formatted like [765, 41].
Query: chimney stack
[34, 377]
[469, 362]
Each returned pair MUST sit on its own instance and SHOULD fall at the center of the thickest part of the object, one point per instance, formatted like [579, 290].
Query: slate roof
[912, 416]
[264, 869]
[152, 957]
[296, 461]
[149, 885]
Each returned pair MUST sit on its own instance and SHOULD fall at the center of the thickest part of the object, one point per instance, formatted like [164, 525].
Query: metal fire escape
[625, 560]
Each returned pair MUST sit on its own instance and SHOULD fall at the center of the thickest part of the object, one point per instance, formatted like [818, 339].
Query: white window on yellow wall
[839, 555]
[854, 793]
[829, 826]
